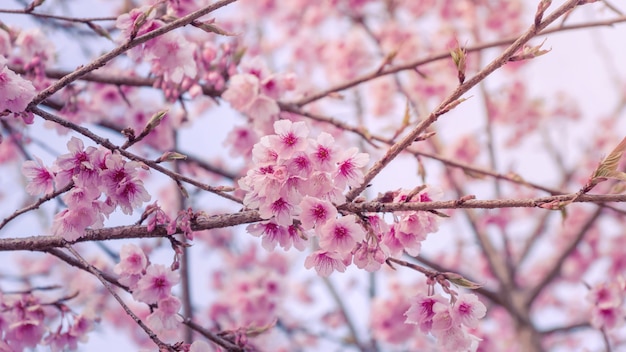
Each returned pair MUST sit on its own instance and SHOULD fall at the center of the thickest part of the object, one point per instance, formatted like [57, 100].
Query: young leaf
[459, 57]
[608, 166]
[460, 281]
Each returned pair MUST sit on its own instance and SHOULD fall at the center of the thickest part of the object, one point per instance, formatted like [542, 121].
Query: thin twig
[40, 243]
[98, 274]
[229, 346]
[55, 17]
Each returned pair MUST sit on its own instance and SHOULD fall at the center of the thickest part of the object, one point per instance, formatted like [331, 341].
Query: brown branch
[42, 243]
[492, 296]
[55, 17]
[288, 106]
[381, 207]
[229, 346]
[566, 329]
[36, 204]
[39, 243]
[57, 252]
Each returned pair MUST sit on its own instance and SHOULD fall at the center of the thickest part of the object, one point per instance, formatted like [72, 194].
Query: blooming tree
[228, 175]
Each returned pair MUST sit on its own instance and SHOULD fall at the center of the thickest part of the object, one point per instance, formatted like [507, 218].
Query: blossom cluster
[93, 172]
[181, 61]
[296, 184]
[448, 321]
[26, 322]
[254, 92]
[151, 284]
[299, 178]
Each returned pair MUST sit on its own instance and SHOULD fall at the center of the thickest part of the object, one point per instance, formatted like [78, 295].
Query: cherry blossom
[422, 311]
[325, 262]
[40, 177]
[15, 91]
[341, 234]
[467, 310]
[156, 284]
[132, 261]
[316, 212]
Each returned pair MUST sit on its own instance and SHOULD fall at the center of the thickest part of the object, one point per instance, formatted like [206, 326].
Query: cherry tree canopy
[359, 175]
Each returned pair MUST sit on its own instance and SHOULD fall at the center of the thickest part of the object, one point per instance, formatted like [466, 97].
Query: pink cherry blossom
[389, 325]
[299, 165]
[273, 234]
[316, 212]
[15, 92]
[241, 139]
[341, 234]
[324, 152]
[442, 319]
[78, 160]
[71, 223]
[40, 178]
[325, 262]
[467, 310]
[290, 137]
[282, 210]
[172, 55]
[609, 317]
[165, 317]
[24, 334]
[156, 284]
[132, 260]
[128, 21]
[349, 168]
[369, 256]
[453, 339]
[243, 95]
[422, 311]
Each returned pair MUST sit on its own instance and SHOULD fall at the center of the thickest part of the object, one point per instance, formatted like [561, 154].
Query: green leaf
[211, 27]
[155, 120]
[461, 281]
[608, 166]
[99, 30]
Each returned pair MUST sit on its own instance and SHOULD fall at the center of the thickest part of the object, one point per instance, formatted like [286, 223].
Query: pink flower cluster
[411, 227]
[94, 172]
[299, 178]
[447, 322]
[295, 185]
[254, 92]
[151, 283]
[26, 323]
[608, 299]
[171, 55]
[405, 234]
